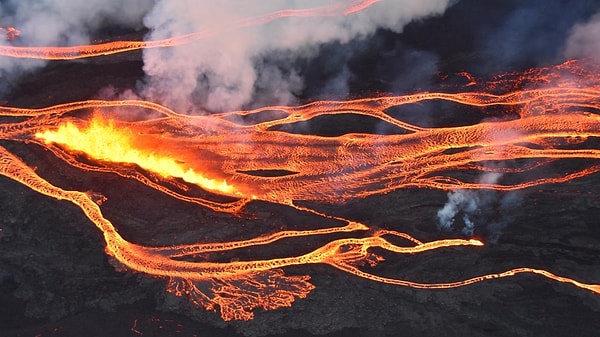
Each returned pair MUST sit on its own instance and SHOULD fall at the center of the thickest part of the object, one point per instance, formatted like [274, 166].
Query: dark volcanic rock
[56, 280]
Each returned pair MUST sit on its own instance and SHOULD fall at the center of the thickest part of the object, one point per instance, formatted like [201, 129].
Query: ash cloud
[226, 71]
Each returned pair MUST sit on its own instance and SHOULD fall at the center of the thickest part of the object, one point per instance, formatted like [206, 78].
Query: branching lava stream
[225, 157]
[114, 47]
[221, 156]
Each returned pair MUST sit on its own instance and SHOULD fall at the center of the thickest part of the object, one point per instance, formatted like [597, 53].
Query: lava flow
[10, 33]
[114, 47]
[224, 156]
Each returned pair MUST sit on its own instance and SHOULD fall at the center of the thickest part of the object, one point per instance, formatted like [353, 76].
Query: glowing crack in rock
[219, 155]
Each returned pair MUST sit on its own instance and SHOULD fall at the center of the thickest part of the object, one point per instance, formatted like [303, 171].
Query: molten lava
[10, 33]
[544, 112]
[114, 47]
[105, 142]
[220, 156]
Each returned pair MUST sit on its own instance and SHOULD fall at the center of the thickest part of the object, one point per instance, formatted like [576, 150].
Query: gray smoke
[465, 201]
[238, 66]
[225, 71]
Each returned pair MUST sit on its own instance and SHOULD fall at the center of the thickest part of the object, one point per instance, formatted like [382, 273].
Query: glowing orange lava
[114, 47]
[222, 156]
[105, 142]
[11, 33]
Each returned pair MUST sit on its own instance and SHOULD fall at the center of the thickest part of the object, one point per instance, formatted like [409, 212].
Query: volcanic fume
[240, 154]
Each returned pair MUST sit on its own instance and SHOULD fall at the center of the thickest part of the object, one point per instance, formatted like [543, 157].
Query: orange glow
[103, 141]
[220, 156]
[11, 33]
[114, 47]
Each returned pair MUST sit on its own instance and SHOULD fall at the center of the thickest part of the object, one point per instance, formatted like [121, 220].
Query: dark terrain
[56, 280]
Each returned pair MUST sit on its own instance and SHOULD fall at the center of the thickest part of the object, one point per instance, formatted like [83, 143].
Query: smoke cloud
[226, 71]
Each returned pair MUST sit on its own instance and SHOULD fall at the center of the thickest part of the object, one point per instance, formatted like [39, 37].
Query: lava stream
[115, 47]
[172, 152]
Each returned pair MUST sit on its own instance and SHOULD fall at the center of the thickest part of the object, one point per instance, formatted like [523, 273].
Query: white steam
[61, 23]
[68, 22]
[584, 40]
[482, 211]
[469, 203]
[459, 200]
[227, 70]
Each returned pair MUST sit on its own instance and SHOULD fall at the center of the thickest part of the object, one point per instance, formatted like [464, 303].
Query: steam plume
[584, 40]
[469, 204]
[62, 23]
[483, 212]
[226, 71]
